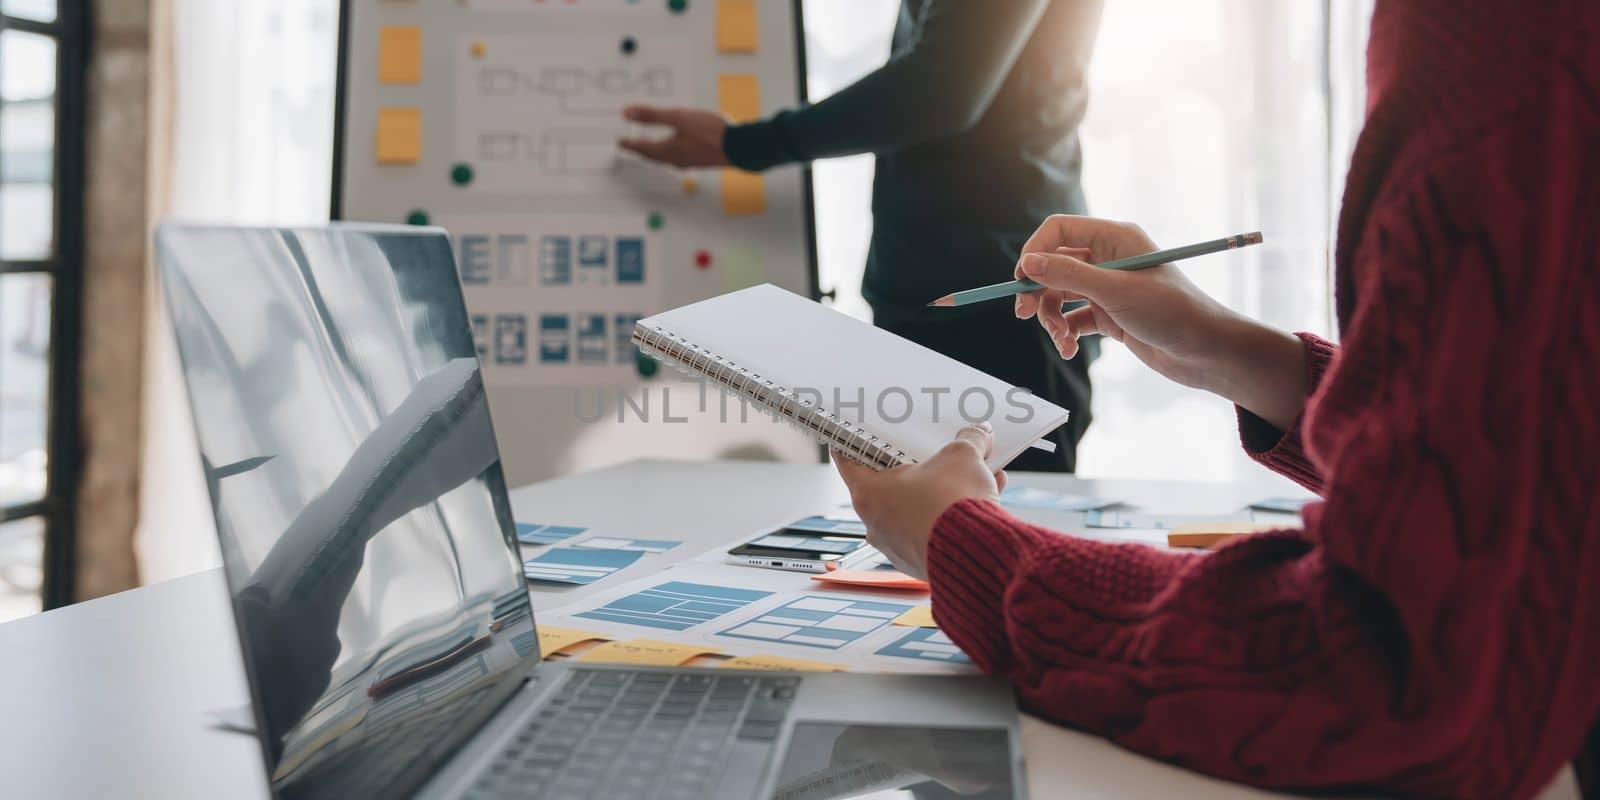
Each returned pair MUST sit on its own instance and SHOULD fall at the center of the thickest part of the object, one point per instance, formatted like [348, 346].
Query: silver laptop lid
[365, 528]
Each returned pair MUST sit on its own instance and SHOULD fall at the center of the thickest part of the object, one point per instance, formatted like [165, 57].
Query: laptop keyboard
[610, 733]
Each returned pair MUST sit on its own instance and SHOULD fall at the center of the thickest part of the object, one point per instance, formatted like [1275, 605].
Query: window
[844, 41]
[42, 63]
[1208, 118]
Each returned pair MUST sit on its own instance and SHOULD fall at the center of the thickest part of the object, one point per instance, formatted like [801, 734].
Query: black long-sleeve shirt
[974, 122]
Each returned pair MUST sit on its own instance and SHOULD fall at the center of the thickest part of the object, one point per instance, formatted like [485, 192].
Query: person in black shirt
[974, 124]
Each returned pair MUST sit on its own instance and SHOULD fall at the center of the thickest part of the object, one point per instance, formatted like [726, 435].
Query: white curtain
[254, 110]
[250, 85]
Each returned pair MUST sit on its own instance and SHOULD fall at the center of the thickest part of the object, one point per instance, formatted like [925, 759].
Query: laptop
[377, 586]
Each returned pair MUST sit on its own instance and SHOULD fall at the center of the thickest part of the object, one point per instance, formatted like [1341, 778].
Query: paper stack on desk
[738, 611]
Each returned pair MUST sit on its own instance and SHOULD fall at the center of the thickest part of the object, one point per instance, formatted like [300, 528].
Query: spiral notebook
[853, 387]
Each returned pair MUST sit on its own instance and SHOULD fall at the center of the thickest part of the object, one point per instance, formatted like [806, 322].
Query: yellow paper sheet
[743, 193]
[400, 54]
[399, 135]
[780, 663]
[554, 640]
[645, 651]
[739, 96]
[919, 617]
[742, 267]
[1211, 534]
[736, 26]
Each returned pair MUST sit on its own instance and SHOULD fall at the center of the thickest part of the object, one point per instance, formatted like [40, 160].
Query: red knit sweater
[1435, 628]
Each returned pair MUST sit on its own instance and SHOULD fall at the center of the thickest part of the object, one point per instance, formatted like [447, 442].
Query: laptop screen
[366, 534]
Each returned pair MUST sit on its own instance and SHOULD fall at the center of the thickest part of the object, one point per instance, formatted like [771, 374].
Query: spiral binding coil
[780, 401]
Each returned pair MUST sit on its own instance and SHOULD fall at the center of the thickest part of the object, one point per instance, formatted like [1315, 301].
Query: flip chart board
[498, 120]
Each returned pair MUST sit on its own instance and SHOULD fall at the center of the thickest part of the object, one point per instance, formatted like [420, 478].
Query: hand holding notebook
[856, 388]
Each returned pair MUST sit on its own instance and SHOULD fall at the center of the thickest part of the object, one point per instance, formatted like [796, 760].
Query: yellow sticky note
[919, 617]
[780, 663]
[742, 267]
[739, 96]
[646, 651]
[400, 54]
[736, 26]
[554, 640]
[399, 135]
[743, 193]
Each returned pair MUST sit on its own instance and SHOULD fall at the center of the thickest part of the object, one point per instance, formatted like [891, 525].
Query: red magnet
[702, 259]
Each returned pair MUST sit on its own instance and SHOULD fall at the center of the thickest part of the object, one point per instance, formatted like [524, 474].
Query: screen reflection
[888, 762]
[831, 761]
[366, 536]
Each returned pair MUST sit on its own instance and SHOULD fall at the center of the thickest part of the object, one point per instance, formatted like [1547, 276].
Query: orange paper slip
[873, 578]
[553, 640]
[1207, 535]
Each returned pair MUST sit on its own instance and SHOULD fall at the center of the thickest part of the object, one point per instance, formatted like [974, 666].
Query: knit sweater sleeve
[1283, 451]
[1409, 638]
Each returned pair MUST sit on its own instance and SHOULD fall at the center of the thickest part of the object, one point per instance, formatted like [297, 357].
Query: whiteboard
[497, 119]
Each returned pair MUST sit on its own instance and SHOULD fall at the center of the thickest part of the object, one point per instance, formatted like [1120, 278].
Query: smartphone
[797, 549]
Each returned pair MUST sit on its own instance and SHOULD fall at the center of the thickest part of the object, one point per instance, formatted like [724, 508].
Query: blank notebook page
[907, 394]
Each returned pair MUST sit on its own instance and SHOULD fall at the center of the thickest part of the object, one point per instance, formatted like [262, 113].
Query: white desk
[110, 698]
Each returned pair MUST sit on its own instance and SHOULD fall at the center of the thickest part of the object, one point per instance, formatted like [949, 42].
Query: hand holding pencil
[1162, 317]
[1129, 264]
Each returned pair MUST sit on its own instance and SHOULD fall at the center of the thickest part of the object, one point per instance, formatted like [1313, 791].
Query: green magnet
[461, 174]
[647, 366]
[417, 217]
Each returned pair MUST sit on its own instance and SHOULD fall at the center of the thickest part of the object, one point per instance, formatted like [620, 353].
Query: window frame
[70, 31]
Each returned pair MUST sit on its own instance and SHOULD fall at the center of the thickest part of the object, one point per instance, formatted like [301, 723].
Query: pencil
[1146, 261]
